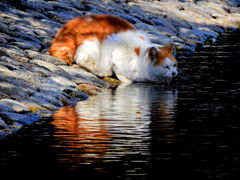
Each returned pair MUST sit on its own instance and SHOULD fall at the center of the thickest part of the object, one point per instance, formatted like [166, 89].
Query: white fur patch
[118, 50]
[88, 18]
[117, 54]
[88, 51]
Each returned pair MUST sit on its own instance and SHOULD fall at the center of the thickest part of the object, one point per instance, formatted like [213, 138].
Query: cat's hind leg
[123, 79]
[88, 54]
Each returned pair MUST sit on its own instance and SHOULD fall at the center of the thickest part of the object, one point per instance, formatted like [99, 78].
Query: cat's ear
[153, 54]
[169, 47]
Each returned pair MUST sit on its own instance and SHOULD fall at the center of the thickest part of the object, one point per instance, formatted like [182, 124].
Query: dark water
[143, 131]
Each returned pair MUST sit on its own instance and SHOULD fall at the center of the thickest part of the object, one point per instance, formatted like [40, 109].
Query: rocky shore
[33, 84]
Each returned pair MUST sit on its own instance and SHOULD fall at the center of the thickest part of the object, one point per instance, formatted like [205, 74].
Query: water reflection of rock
[113, 125]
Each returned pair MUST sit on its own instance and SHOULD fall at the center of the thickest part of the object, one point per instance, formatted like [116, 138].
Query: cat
[106, 44]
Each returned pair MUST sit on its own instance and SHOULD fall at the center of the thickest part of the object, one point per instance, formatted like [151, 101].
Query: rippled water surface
[143, 131]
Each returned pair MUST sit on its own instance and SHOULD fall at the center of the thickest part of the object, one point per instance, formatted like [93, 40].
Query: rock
[61, 16]
[89, 89]
[15, 105]
[34, 107]
[80, 76]
[41, 100]
[75, 93]
[44, 57]
[3, 125]
[4, 37]
[183, 48]
[226, 23]
[39, 5]
[13, 52]
[49, 66]
[13, 91]
[25, 44]
[46, 40]
[42, 70]
[9, 62]
[43, 25]
[5, 108]
[210, 35]
[61, 81]
[25, 119]
[22, 79]
[74, 4]
[191, 35]
[47, 97]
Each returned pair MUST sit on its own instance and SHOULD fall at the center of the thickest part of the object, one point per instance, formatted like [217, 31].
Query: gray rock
[129, 18]
[159, 21]
[44, 57]
[13, 52]
[9, 62]
[46, 40]
[74, 4]
[25, 44]
[3, 95]
[61, 81]
[75, 94]
[191, 35]
[61, 16]
[43, 71]
[15, 105]
[48, 97]
[22, 79]
[25, 119]
[78, 71]
[3, 125]
[80, 76]
[4, 37]
[184, 48]
[41, 101]
[39, 5]
[3, 69]
[5, 108]
[35, 108]
[154, 34]
[51, 67]
[13, 91]
[44, 25]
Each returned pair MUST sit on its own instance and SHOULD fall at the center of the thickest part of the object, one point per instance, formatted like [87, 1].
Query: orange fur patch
[75, 31]
[164, 52]
[137, 51]
[142, 38]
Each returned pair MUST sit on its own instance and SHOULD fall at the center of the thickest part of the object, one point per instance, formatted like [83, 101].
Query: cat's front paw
[101, 74]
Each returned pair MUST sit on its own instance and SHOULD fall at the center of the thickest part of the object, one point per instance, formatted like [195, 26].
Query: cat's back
[84, 32]
[90, 26]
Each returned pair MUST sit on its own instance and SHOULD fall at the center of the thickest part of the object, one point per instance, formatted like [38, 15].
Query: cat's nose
[173, 74]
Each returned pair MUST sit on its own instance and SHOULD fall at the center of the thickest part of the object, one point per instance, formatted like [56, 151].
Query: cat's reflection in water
[113, 124]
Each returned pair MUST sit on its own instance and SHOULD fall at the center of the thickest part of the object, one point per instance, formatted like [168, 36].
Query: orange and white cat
[106, 44]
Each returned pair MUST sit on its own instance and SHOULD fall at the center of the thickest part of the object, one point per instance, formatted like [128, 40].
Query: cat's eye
[175, 65]
[167, 67]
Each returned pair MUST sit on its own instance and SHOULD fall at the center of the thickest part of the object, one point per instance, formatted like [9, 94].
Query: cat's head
[163, 65]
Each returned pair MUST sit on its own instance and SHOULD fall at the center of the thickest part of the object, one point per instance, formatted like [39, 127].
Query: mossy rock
[90, 90]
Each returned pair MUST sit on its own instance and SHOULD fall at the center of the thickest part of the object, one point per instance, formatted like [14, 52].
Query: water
[143, 131]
